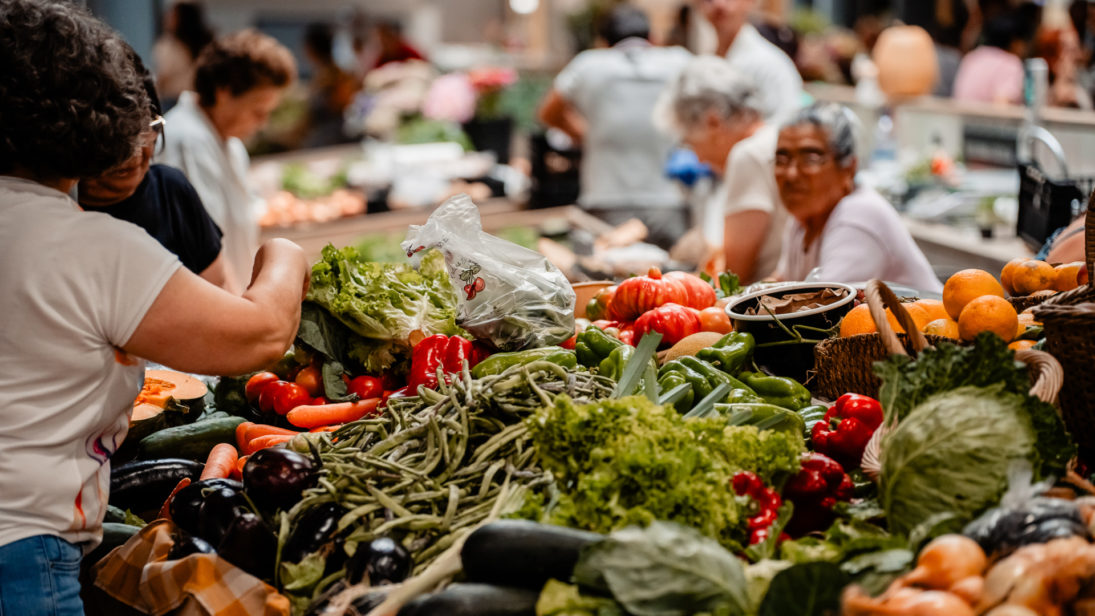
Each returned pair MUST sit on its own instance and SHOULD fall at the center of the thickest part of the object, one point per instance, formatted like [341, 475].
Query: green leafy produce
[810, 588]
[628, 461]
[906, 383]
[383, 303]
[559, 599]
[306, 184]
[951, 453]
[665, 570]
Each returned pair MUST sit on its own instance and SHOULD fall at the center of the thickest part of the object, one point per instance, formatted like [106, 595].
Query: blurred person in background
[330, 90]
[159, 199]
[1060, 48]
[993, 72]
[87, 298]
[392, 46]
[715, 110]
[946, 29]
[604, 100]
[838, 232]
[238, 82]
[184, 35]
[779, 83]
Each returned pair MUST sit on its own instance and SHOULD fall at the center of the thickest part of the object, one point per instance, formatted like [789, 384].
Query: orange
[1019, 345]
[966, 286]
[1008, 271]
[1026, 319]
[916, 311]
[1067, 277]
[857, 321]
[1033, 276]
[988, 313]
[934, 307]
[942, 327]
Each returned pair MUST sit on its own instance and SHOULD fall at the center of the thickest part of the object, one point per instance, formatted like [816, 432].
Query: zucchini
[114, 535]
[142, 486]
[474, 600]
[191, 441]
[523, 554]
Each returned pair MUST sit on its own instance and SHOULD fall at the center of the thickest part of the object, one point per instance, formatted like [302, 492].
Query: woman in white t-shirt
[716, 112]
[838, 232]
[86, 296]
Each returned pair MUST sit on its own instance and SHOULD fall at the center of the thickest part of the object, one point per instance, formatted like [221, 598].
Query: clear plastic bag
[509, 296]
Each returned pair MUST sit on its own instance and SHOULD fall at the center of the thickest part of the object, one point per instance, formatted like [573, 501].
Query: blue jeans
[39, 576]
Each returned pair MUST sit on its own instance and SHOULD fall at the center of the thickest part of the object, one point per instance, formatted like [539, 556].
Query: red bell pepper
[847, 428]
[439, 351]
[814, 491]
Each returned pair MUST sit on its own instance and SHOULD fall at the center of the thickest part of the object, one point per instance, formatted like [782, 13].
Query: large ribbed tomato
[672, 321]
[637, 295]
[699, 294]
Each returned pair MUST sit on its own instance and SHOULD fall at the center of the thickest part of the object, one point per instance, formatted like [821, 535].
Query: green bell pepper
[763, 416]
[500, 362]
[742, 396]
[668, 382]
[592, 346]
[778, 390]
[731, 353]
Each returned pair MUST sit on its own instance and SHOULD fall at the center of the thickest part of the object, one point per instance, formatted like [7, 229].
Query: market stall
[445, 437]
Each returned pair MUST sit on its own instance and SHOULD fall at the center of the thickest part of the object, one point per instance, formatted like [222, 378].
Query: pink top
[989, 75]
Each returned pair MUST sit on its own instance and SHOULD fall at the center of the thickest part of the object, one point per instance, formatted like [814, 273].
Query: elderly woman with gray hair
[715, 111]
[838, 232]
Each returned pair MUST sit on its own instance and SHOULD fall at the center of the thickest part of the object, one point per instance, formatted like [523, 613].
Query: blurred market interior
[403, 136]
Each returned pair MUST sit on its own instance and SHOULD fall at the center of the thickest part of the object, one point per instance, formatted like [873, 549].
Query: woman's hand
[195, 326]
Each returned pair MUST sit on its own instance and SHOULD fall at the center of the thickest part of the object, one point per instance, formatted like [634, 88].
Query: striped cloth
[139, 575]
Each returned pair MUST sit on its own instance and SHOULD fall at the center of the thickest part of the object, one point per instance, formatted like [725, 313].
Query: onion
[929, 603]
[1011, 610]
[947, 560]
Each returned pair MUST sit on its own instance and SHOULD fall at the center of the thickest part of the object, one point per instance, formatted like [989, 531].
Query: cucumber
[191, 441]
[812, 415]
[113, 536]
[114, 515]
[142, 486]
[523, 554]
[474, 600]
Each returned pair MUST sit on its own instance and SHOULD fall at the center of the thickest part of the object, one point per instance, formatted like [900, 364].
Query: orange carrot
[263, 442]
[241, 434]
[326, 428]
[222, 459]
[328, 414]
[165, 511]
[237, 473]
[256, 430]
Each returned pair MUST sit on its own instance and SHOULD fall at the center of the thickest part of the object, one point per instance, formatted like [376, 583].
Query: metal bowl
[785, 342]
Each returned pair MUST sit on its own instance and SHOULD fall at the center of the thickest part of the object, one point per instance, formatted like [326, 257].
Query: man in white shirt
[604, 100]
[780, 85]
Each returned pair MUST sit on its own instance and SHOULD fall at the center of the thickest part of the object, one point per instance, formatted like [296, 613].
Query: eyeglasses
[156, 137]
[808, 160]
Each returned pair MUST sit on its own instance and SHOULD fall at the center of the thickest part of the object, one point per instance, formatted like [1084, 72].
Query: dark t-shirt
[167, 206]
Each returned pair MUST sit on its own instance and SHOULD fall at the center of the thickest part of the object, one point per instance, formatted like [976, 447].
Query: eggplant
[218, 511]
[474, 600]
[143, 486]
[187, 503]
[1003, 530]
[315, 528]
[250, 545]
[276, 477]
[523, 554]
[187, 544]
[383, 560]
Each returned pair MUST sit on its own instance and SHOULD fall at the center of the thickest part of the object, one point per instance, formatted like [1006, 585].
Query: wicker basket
[1045, 372]
[844, 365]
[1024, 302]
[1069, 322]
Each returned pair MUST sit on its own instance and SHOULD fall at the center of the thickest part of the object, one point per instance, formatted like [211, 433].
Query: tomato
[672, 321]
[366, 387]
[311, 379]
[282, 397]
[715, 319]
[320, 401]
[257, 383]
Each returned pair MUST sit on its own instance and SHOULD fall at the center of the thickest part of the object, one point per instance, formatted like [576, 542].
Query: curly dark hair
[241, 62]
[71, 105]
